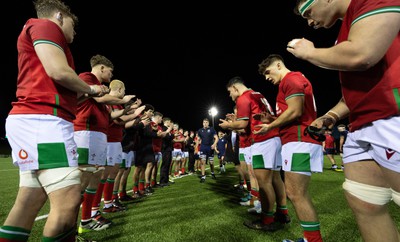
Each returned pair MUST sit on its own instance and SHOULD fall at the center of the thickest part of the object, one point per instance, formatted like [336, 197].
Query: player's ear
[60, 18]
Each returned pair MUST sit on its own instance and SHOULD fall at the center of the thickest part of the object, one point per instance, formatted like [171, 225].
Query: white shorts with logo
[92, 147]
[267, 154]
[41, 141]
[379, 142]
[177, 154]
[245, 154]
[302, 157]
[127, 159]
[114, 153]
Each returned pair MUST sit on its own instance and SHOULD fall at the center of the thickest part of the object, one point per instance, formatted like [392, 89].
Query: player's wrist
[92, 90]
[334, 115]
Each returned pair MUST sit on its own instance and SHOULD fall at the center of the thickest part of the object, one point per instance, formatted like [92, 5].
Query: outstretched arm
[368, 41]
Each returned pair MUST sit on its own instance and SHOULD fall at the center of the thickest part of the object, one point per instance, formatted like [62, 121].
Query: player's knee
[367, 193]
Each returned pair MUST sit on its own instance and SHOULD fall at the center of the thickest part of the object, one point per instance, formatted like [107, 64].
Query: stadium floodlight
[213, 111]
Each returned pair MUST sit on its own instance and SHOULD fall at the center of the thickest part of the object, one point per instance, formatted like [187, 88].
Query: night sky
[179, 57]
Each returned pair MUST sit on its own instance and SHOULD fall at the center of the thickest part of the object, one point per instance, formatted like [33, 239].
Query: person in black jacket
[166, 154]
[190, 145]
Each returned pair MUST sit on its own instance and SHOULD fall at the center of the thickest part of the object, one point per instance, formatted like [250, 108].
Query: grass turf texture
[192, 211]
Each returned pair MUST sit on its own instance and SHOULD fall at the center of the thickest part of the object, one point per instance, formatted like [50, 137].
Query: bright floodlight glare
[213, 111]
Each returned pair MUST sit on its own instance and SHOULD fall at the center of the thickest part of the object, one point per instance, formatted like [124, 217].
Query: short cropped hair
[46, 8]
[156, 113]
[235, 80]
[148, 107]
[267, 62]
[101, 60]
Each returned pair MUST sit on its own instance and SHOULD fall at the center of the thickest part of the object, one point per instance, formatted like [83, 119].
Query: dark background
[179, 57]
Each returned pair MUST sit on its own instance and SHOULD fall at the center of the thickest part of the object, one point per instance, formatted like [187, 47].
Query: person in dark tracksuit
[166, 154]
